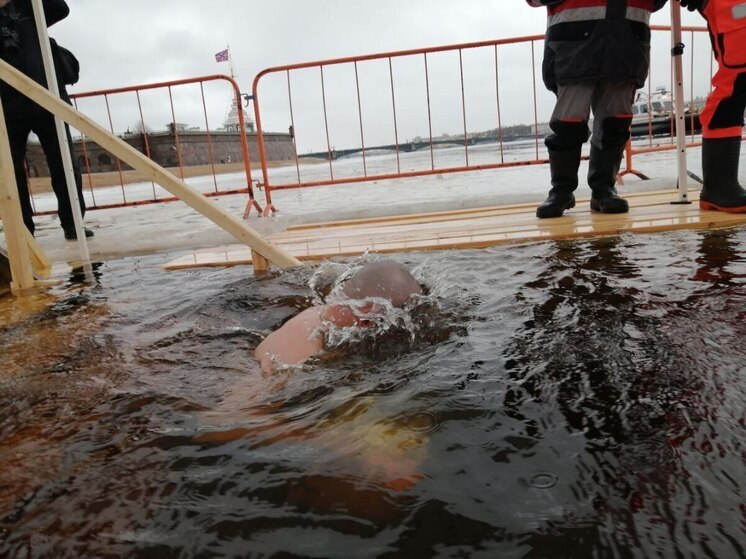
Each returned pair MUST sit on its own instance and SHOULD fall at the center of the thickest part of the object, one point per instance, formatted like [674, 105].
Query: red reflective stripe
[644, 4]
[730, 132]
[572, 120]
[570, 4]
[573, 4]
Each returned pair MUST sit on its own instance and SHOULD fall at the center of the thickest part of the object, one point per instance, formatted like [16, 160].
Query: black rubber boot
[563, 167]
[721, 190]
[72, 234]
[603, 168]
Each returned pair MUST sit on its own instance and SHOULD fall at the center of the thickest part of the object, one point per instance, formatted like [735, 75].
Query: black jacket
[588, 40]
[18, 15]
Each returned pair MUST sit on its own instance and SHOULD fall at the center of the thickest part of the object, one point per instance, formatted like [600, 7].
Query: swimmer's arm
[343, 316]
[298, 339]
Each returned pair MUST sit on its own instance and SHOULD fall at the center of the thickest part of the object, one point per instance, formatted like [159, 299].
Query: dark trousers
[43, 126]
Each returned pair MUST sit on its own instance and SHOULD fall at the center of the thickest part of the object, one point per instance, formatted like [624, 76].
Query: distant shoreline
[40, 185]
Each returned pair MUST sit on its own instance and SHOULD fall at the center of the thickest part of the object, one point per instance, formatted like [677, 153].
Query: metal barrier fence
[171, 140]
[391, 77]
[312, 108]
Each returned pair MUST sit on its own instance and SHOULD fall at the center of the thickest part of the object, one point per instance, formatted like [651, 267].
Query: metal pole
[677, 53]
[67, 162]
[230, 61]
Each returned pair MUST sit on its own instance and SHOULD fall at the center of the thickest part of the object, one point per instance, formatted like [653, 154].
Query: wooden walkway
[472, 228]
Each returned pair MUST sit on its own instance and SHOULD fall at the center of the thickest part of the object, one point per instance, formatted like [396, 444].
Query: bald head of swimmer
[386, 279]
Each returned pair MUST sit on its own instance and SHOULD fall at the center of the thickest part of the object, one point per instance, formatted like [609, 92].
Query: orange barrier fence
[392, 73]
[320, 114]
[177, 147]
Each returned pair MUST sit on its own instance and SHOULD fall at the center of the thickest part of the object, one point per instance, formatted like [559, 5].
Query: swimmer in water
[383, 450]
[303, 336]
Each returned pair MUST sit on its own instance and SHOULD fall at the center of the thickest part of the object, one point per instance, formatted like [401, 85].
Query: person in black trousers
[19, 46]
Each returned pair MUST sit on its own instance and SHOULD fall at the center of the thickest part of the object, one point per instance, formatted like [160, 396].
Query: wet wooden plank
[515, 222]
[526, 209]
[650, 212]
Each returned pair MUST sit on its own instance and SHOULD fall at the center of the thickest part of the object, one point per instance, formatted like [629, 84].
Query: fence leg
[629, 169]
[252, 203]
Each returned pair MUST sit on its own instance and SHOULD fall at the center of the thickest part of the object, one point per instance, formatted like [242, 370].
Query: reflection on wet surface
[553, 400]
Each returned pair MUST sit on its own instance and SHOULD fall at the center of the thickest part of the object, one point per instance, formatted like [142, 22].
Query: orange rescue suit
[722, 116]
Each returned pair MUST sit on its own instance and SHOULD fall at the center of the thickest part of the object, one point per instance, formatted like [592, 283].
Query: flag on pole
[222, 56]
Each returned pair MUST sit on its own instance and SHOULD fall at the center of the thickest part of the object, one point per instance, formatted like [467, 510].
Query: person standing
[596, 55]
[722, 117]
[19, 46]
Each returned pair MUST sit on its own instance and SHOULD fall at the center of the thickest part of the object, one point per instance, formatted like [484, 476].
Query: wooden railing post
[19, 255]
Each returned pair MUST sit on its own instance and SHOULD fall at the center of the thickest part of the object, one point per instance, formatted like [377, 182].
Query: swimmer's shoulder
[295, 341]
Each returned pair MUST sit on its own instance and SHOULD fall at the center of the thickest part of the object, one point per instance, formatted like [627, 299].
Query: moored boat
[653, 115]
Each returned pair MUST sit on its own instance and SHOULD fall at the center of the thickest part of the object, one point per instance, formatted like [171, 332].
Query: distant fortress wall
[195, 148]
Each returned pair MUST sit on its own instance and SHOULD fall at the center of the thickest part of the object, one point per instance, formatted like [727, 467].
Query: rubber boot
[603, 168]
[72, 234]
[721, 190]
[563, 168]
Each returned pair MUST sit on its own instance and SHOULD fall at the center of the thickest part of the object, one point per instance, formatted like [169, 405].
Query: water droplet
[423, 422]
[543, 480]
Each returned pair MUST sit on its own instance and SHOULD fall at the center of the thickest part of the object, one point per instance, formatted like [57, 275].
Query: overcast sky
[126, 42]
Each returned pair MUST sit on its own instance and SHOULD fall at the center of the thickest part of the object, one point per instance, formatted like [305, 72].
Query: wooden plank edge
[391, 247]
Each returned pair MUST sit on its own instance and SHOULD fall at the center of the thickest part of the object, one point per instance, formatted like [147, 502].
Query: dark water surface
[573, 399]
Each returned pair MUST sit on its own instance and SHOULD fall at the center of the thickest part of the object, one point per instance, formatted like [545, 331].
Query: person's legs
[45, 128]
[569, 124]
[722, 124]
[612, 105]
[18, 132]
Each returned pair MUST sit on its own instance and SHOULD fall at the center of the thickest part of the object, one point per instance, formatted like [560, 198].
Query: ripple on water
[541, 480]
[568, 395]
